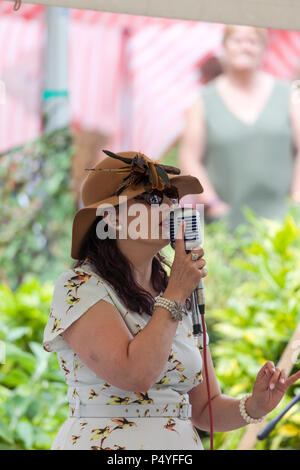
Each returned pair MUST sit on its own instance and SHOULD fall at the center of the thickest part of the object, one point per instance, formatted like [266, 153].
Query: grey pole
[56, 113]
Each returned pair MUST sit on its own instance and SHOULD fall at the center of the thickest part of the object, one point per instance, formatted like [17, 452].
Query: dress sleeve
[74, 293]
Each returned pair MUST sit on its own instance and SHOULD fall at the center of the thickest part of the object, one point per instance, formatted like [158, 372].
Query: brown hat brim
[83, 219]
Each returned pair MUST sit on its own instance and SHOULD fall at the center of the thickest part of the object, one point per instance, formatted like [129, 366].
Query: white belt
[179, 410]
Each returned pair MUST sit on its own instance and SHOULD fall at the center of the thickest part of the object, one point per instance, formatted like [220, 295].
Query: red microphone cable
[207, 382]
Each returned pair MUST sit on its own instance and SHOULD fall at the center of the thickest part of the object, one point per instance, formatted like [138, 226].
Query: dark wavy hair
[111, 264]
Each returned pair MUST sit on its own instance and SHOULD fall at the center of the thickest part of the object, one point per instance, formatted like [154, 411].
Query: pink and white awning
[131, 77]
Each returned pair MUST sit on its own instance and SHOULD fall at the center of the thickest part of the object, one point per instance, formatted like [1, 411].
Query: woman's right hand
[185, 274]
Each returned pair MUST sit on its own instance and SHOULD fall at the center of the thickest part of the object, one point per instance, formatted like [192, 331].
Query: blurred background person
[242, 135]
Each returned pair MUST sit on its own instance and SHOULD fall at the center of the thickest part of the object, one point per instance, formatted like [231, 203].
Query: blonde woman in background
[242, 135]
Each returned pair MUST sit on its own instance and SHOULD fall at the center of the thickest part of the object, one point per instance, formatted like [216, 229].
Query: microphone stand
[271, 424]
[197, 308]
[197, 330]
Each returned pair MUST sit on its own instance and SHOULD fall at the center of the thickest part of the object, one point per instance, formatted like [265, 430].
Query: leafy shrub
[37, 208]
[253, 308]
[33, 400]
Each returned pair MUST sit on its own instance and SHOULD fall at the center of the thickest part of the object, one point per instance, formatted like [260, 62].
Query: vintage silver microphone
[192, 241]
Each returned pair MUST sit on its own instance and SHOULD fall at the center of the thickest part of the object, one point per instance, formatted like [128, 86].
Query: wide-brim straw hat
[124, 174]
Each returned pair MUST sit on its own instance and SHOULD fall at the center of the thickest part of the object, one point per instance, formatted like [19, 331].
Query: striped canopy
[131, 78]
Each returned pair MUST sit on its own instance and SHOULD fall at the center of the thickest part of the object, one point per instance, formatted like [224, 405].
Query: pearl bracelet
[174, 307]
[244, 413]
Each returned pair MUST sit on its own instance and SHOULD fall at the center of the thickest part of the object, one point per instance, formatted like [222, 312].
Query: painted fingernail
[272, 386]
[282, 380]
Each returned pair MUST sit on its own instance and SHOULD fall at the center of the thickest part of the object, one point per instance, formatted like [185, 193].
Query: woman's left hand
[269, 387]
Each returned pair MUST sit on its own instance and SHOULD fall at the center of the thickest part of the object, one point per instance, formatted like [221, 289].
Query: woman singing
[131, 362]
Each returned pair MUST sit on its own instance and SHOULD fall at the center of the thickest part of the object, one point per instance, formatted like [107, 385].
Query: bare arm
[192, 148]
[191, 152]
[225, 409]
[103, 342]
[268, 390]
[295, 123]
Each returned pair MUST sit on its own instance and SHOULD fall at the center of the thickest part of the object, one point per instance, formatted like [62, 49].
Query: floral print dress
[75, 291]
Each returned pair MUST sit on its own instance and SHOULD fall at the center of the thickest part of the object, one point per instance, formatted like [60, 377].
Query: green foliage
[32, 389]
[37, 208]
[253, 308]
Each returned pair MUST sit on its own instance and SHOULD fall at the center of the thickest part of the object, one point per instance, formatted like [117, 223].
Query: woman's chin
[244, 66]
[162, 240]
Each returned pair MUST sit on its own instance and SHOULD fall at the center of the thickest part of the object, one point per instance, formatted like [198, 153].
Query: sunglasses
[156, 196]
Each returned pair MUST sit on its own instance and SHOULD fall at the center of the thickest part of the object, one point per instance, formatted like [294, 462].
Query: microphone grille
[192, 234]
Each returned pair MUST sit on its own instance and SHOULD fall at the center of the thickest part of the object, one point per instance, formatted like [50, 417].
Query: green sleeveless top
[250, 165]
